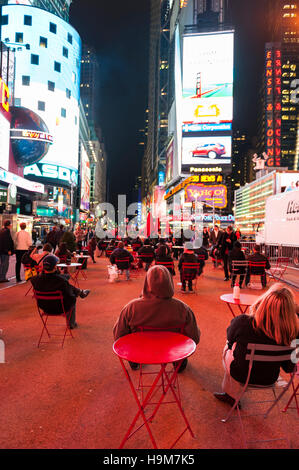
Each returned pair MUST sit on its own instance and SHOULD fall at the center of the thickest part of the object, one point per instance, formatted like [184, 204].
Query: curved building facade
[47, 81]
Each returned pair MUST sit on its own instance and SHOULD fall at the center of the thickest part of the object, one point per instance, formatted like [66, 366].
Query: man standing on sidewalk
[6, 249]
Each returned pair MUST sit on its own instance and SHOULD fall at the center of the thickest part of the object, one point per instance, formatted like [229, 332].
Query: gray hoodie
[156, 308]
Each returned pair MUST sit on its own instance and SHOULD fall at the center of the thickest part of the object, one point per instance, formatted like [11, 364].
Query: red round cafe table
[243, 303]
[155, 347]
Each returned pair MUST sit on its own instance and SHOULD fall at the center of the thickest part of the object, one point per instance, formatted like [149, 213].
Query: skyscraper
[90, 70]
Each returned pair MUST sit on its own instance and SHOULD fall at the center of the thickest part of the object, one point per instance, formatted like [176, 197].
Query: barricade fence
[275, 251]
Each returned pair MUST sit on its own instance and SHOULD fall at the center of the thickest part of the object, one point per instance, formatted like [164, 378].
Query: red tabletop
[154, 347]
[245, 299]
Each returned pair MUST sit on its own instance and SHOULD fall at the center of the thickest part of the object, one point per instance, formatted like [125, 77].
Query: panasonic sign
[55, 172]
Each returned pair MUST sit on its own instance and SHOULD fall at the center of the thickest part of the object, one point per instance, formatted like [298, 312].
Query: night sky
[119, 32]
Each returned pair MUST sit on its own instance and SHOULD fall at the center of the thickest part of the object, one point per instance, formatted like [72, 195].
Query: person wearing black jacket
[273, 320]
[225, 245]
[200, 253]
[51, 280]
[162, 256]
[237, 255]
[120, 254]
[257, 257]
[188, 256]
[149, 252]
[6, 249]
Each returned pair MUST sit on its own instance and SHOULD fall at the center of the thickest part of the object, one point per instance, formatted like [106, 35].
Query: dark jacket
[59, 235]
[214, 238]
[160, 248]
[166, 259]
[257, 258]
[6, 241]
[241, 331]
[224, 245]
[121, 253]
[49, 282]
[205, 238]
[52, 238]
[188, 258]
[146, 249]
[236, 254]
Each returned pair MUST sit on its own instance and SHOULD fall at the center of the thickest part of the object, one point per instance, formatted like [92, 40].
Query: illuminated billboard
[208, 61]
[215, 196]
[47, 82]
[207, 150]
[85, 179]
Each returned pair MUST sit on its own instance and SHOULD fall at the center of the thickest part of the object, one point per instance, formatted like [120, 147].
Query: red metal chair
[256, 268]
[262, 353]
[278, 268]
[122, 264]
[147, 258]
[295, 393]
[168, 264]
[55, 296]
[189, 272]
[109, 252]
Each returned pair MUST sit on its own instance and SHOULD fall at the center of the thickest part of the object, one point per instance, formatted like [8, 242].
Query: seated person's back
[156, 308]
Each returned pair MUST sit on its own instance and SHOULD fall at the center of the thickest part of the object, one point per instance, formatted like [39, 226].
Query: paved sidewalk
[78, 398]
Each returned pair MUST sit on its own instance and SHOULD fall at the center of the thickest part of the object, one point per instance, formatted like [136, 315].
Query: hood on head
[158, 283]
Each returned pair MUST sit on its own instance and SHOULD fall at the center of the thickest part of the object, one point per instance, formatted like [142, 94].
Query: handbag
[30, 273]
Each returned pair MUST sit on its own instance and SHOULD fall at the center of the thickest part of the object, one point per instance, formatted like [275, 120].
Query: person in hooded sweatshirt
[156, 308]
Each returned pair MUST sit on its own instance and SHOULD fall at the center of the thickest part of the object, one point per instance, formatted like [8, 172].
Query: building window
[63, 112]
[41, 106]
[27, 20]
[26, 80]
[65, 52]
[51, 86]
[19, 37]
[43, 42]
[76, 120]
[34, 59]
[70, 38]
[17, 102]
[53, 28]
[4, 20]
[68, 93]
[57, 66]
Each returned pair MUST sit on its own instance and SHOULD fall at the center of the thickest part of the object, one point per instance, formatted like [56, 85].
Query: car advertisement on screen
[208, 61]
[207, 151]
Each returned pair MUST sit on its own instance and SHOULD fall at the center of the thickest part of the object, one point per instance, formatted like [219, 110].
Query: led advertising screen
[47, 82]
[207, 150]
[215, 196]
[85, 179]
[208, 61]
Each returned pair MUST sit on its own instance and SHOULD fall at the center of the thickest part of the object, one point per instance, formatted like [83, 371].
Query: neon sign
[4, 95]
[273, 104]
[56, 172]
[31, 135]
[213, 195]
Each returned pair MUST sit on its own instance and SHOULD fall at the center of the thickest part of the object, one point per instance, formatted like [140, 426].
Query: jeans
[4, 263]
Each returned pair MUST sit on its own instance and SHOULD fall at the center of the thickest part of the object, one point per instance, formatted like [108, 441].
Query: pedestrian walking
[23, 242]
[6, 249]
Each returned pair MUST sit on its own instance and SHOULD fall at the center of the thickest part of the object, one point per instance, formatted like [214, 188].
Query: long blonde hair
[274, 313]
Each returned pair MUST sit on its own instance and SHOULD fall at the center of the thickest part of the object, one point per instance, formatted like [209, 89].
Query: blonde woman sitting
[273, 320]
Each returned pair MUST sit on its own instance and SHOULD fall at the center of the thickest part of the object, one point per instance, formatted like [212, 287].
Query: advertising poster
[208, 82]
[207, 150]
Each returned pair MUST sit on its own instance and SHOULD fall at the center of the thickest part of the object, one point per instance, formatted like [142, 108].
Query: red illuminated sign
[273, 104]
[31, 135]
